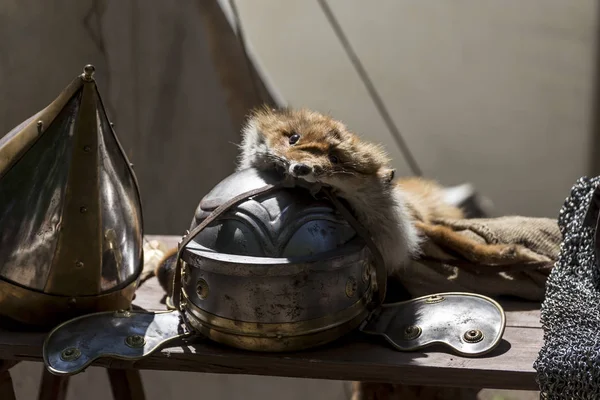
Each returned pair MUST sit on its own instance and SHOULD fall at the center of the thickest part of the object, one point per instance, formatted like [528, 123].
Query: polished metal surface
[31, 204]
[127, 335]
[70, 210]
[469, 324]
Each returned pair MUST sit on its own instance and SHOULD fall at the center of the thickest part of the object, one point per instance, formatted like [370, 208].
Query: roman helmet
[280, 269]
[70, 212]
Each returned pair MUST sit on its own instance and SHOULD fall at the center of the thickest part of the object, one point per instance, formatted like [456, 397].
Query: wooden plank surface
[355, 357]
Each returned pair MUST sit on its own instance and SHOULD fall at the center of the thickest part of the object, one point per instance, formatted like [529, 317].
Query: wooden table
[352, 358]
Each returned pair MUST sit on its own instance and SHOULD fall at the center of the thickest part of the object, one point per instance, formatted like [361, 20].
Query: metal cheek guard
[126, 335]
[470, 324]
[467, 324]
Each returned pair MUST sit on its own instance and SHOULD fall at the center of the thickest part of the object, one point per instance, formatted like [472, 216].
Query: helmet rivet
[202, 289]
[411, 332]
[351, 287]
[135, 341]
[366, 276]
[473, 336]
[122, 314]
[88, 72]
[70, 354]
[185, 274]
[435, 299]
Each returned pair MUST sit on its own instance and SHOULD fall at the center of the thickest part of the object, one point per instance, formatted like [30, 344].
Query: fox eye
[333, 159]
[294, 138]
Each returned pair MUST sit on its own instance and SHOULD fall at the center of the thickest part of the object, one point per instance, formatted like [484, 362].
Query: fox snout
[306, 172]
[299, 169]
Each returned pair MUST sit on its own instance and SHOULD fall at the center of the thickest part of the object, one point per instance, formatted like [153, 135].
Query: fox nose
[300, 169]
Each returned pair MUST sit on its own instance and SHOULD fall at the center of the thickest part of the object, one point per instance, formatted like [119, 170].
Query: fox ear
[387, 175]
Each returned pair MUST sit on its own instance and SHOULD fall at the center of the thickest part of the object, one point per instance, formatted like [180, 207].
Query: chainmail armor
[568, 365]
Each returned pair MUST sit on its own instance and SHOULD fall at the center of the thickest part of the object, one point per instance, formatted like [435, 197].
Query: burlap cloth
[506, 256]
[509, 256]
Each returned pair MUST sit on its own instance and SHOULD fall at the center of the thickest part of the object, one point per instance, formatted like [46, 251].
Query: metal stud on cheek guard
[269, 267]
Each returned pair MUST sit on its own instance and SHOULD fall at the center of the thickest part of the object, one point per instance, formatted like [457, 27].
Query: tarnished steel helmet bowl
[279, 271]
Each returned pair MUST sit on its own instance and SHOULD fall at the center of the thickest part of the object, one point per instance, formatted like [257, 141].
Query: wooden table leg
[388, 391]
[53, 387]
[126, 384]
[7, 390]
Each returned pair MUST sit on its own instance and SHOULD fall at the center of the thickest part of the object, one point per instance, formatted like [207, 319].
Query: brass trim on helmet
[76, 269]
[42, 309]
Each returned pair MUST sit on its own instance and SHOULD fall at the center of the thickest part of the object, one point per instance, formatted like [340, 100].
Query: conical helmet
[70, 212]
